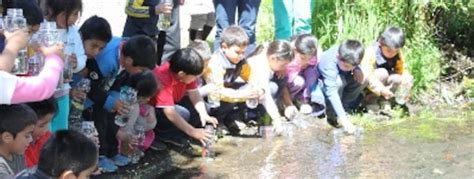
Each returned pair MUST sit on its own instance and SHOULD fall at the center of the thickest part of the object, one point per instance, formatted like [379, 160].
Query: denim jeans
[247, 18]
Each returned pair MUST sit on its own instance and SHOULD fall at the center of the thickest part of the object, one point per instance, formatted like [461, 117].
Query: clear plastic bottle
[77, 105]
[164, 19]
[128, 95]
[208, 152]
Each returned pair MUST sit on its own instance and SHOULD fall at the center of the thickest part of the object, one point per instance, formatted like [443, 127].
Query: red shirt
[33, 151]
[172, 90]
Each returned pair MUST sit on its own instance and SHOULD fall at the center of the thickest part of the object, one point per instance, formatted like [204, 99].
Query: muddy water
[320, 152]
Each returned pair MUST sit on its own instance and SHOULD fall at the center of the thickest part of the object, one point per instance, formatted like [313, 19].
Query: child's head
[138, 54]
[68, 154]
[95, 33]
[187, 64]
[234, 41]
[305, 47]
[391, 40]
[146, 85]
[17, 123]
[32, 13]
[45, 111]
[203, 49]
[279, 54]
[64, 12]
[350, 54]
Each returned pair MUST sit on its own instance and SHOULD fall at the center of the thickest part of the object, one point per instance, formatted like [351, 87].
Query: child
[67, 154]
[342, 81]
[137, 55]
[19, 89]
[228, 71]
[65, 13]
[176, 78]
[264, 62]
[95, 33]
[144, 118]
[16, 125]
[203, 19]
[384, 64]
[45, 110]
[301, 74]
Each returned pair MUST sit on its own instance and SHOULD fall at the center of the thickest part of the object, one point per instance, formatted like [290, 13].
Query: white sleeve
[79, 50]
[8, 83]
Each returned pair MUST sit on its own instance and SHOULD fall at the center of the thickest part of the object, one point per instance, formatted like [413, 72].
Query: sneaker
[120, 160]
[106, 165]
[157, 145]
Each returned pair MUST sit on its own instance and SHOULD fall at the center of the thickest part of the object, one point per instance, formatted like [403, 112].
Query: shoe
[157, 145]
[120, 160]
[333, 123]
[106, 165]
[233, 128]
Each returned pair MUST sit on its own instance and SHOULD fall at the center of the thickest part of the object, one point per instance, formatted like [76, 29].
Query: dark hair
[31, 11]
[15, 118]
[67, 150]
[392, 37]
[188, 61]
[96, 28]
[306, 44]
[55, 7]
[280, 48]
[351, 51]
[145, 83]
[234, 35]
[142, 49]
[45, 107]
[202, 48]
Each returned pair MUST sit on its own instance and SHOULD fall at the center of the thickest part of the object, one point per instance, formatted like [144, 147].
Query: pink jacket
[15, 90]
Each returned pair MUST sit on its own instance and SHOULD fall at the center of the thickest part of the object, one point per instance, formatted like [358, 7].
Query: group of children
[132, 104]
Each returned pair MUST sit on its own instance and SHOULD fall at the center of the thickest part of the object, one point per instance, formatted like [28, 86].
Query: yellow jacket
[373, 58]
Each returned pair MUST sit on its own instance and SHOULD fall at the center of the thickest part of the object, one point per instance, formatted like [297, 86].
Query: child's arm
[330, 74]
[200, 107]
[39, 87]
[79, 52]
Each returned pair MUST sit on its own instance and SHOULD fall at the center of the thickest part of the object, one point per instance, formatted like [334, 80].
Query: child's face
[93, 47]
[389, 52]
[344, 66]
[234, 53]
[143, 100]
[127, 64]
[277, 65]
[72, 19]
[22, 140]
[185, 78]
[302, 59]
[85, 174]
[42, 126]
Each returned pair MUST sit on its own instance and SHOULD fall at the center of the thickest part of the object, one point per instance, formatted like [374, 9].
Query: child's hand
[164, 8]
[77, 95]
[121, 107]
[73, 60]
[55, 49]
[208, 119]
[386, 93]
[201, 135]
[17, 39]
